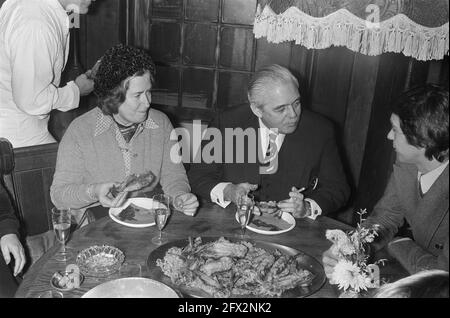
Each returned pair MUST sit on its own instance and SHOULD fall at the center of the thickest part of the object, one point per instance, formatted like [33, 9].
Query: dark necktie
[271, 146]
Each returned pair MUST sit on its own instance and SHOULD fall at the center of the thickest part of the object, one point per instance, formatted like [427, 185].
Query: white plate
[131, 287]
[285, 216]
[142, 220]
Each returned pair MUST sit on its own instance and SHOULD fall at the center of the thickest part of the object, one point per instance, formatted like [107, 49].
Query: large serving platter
[306, 261]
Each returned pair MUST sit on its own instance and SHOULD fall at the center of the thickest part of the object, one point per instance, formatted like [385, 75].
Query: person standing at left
[34, 47]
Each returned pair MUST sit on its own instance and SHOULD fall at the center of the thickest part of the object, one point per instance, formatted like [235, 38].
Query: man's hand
[295, 205]
[329, 260]
[186, 203]
[85, 85]
[102, 192]
[10, 244]
[233, 191]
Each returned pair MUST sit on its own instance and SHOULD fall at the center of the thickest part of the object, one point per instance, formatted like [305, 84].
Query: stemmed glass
[244, 209]
[161, 204]
[61, 220]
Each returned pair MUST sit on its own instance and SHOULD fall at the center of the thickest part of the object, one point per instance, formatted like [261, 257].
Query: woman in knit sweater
[120, 137]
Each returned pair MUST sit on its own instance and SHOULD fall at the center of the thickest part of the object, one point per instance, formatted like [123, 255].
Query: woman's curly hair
[118, 65]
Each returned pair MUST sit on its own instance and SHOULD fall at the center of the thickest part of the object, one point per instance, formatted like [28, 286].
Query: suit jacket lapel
[433, 208]
[292, 153]
[253, 170]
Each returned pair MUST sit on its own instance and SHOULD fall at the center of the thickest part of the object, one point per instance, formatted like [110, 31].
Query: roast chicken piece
[223, 264]
[224, 248]
[134, 182]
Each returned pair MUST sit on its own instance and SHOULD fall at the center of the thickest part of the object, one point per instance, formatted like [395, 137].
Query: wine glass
[161, 207]
[244, 209]
[61, 220]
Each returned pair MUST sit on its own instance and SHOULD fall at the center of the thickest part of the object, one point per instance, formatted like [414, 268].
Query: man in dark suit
[288, 149]
[417, 191]
[10, 245]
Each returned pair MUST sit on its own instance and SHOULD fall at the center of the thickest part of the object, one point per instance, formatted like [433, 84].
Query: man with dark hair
[417, 191]
[10, 245]
[300, 147]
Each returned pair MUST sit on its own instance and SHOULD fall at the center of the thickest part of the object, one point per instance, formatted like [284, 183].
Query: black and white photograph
[229, 155]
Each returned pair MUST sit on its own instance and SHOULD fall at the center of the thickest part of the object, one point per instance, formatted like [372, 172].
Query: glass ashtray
[65, 280]
[100, 261]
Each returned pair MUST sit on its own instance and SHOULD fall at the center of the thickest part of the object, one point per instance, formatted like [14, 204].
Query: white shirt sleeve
[217, 194]
[315, 209]
[33, 51]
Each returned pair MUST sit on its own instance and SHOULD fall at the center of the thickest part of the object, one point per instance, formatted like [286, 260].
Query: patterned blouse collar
[104, 122]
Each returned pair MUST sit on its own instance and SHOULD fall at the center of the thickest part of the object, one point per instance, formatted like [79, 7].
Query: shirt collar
[265, 130]
[430, 177]
[103, 123]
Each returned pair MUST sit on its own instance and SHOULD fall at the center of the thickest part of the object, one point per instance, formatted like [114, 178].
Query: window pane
[167, 8]
[232, 89]
[200, 44]
[236, 48]
[167, 86]
[239, 11]
[197, 88]
[161, 49]
[202, 10]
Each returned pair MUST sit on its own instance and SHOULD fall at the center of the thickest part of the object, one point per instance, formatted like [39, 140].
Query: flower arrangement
[352, 271]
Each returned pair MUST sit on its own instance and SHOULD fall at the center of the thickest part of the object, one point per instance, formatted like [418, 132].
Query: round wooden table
[211, 220]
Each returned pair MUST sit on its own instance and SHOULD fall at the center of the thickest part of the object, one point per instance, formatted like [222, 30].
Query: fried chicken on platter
[222, 269]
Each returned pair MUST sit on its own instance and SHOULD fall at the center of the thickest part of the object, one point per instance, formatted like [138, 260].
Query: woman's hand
[102, 192]
[186, 203]
[10, 245]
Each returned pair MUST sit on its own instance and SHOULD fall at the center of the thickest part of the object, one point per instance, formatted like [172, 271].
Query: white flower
[348, 275]
[342, 246]
[347, 248]
[336, 236]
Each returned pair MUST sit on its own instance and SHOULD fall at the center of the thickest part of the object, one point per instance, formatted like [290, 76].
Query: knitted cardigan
[90, 153]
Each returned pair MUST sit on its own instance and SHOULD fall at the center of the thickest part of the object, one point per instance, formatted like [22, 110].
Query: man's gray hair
[266, 77]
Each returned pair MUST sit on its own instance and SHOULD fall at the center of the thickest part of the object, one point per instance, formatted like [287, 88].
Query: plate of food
[100, 260]
[270, 223]
[229, 267]
[131, 287]
[135, 212]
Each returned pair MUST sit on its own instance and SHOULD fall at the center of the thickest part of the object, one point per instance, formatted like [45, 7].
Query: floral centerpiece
[352, 272]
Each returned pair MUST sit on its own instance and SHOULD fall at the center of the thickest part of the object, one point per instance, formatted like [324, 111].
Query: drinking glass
[244, 209]
[61, 220]
[161, 207]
